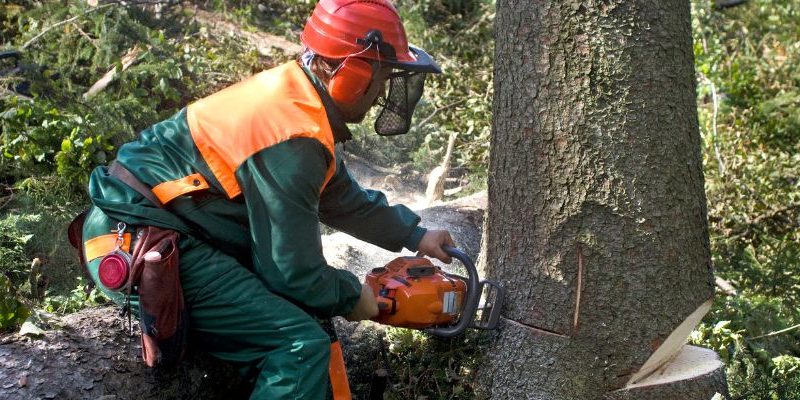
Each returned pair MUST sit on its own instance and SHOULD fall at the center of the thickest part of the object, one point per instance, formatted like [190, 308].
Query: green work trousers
[235, 318]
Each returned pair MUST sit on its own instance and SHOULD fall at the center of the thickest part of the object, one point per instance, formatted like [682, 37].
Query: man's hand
[366, 307]
[431, 245]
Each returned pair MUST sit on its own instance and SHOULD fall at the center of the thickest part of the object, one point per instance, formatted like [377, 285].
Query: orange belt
[102, 245]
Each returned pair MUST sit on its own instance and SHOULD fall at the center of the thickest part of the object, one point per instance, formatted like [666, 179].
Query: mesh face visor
[405, 90]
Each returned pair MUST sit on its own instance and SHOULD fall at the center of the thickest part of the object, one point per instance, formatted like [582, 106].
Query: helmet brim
[423, 62]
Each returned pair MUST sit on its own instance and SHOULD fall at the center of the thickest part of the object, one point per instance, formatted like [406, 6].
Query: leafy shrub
[422, 364]
[75, 300]
[32, 135]
[749, 66]
[60, 131]
[14, 265]
[12, 311]
[15, 233]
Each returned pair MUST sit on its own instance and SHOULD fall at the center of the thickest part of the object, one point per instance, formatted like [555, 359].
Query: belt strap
[118, 171]
[105, 244]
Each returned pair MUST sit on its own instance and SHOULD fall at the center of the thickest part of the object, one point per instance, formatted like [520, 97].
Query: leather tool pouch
[155, 277]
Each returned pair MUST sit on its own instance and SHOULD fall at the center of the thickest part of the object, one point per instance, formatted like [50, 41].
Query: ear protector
[350, 81]
[354, 75]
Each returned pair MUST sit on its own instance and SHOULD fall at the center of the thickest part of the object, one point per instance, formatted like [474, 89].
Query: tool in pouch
[413, 293]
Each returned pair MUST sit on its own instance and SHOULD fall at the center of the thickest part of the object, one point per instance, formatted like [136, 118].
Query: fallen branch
[776, 333]
[381, 169]
[86, 36]
[433, 114]
[774, 213]
[750, 225]
[725, 286]
[66, 21]
[127, 60]
[262, 41]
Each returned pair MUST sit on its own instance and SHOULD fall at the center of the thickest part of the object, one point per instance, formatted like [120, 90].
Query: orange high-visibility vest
[233, 124]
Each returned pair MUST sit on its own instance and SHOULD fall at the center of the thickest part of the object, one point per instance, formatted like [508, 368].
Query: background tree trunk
[597, 211]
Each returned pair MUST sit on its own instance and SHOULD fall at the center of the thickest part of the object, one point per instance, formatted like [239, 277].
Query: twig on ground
[4, 200]
[86, 36]
[725, 286]
[433, 114]
[66, 21]
[776, 333]
[127, 60]
[715, 101]
[774, 213]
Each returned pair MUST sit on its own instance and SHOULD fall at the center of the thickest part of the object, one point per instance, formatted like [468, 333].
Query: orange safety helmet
[339, 29]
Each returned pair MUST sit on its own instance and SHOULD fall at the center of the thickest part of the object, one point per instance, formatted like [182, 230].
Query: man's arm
[366, 214]
[281, 186]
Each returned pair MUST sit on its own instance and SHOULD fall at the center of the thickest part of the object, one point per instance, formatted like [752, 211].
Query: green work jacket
[284, 189]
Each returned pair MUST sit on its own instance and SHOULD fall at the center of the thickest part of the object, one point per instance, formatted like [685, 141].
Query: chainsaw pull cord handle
[473, 296]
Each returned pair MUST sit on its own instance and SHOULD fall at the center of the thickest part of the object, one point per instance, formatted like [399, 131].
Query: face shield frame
[398, 104]
[405, 87]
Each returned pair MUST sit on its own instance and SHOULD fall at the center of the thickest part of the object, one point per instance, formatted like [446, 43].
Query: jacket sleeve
[367, 215]
[281, 187]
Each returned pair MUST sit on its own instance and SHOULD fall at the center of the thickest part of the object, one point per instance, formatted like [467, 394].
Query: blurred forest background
[163, 55]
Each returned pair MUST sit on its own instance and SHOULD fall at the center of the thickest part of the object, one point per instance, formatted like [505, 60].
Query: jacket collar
[341, 133]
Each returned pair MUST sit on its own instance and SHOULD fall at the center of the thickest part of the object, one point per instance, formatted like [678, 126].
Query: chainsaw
[411, 292]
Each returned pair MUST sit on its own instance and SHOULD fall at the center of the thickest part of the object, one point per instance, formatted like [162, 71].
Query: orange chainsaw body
[413, 293]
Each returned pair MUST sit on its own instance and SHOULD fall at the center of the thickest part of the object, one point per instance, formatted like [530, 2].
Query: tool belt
[151, 271]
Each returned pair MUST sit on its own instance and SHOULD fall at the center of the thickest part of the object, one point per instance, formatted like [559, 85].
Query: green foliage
[59, 130]
[749, 66]
[24, 236]
[14, 236]
[75, 300]
[31, 140]
[15, 233]
[458, 34]
[12, 312]
[422, 365]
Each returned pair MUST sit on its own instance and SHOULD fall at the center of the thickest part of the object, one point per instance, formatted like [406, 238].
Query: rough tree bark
[597, 212]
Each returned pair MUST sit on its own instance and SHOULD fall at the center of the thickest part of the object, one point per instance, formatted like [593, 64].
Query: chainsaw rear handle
[473, 296]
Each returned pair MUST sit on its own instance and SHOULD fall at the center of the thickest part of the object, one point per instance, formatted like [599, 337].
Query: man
[247, 174]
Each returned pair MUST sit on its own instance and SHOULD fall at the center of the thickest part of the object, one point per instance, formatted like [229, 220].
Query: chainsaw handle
[473, 296]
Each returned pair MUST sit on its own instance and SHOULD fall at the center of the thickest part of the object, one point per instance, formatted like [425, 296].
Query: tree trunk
[596, 223]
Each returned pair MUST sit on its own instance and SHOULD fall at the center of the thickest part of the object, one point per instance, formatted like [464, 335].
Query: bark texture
[597, 218]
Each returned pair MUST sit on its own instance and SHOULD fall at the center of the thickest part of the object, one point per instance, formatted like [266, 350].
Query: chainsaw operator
[247, 174]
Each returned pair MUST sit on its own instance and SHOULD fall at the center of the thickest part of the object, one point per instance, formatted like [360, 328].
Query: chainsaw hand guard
[471, 303]
[413, 293]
